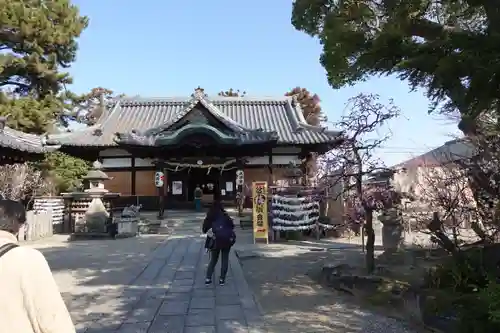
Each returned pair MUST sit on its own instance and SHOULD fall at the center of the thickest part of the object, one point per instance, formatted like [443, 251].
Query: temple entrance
[212, 179]
[209, 183]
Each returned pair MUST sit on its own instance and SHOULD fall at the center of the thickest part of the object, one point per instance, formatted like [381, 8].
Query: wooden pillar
[133, 176]
[240, 199]
[270, 178]
[270, 182]
[71, 224]
[160, 166]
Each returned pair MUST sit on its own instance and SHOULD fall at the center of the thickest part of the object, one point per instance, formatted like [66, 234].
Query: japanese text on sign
[260, 210]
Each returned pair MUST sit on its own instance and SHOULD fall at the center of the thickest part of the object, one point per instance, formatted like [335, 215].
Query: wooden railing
[37, 226]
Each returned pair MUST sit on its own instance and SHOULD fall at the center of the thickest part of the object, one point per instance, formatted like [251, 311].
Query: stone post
[392, 230]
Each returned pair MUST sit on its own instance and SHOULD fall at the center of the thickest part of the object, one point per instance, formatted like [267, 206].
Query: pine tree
[37, 44]
[232, 93]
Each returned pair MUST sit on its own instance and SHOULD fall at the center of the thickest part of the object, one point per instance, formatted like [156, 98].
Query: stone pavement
[283, 277]
[160, 291]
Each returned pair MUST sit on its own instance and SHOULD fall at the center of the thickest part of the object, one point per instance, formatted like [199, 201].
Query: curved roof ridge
[105, 117]
[22, 136]
[298, 121]
[19, 140]
[250, 98]
[212, 98]
[83, 130]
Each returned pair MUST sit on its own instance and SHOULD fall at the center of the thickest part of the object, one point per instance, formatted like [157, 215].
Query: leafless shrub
[22, 181]
[445, 189]
[346, 169]
[457, 195]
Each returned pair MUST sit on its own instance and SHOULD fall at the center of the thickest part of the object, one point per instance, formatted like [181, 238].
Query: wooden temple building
[18, 147]
[196, 141]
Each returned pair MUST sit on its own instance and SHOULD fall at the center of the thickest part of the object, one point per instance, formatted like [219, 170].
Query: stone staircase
[188, 220]
[153, 227]
[163, 228]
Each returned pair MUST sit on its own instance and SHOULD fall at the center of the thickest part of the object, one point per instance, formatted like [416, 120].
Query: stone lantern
[94, 180]
[97, 215]
[90, 211]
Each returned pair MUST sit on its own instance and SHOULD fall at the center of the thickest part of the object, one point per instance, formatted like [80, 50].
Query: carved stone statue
[131, 211]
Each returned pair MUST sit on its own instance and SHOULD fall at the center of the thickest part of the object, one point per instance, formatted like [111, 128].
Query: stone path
[155, 283]
[166, 293]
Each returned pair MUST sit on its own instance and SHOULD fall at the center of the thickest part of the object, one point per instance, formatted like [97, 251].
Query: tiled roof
[17, 140]
[281, 115]
[449, 152]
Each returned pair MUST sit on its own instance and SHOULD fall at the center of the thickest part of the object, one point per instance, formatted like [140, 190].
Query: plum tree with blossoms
[352, 170]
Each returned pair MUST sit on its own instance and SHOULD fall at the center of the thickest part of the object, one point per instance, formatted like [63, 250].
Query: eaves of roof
[24, 142]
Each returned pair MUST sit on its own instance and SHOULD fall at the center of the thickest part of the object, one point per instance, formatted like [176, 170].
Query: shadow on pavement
[143, 284]
[282, 276]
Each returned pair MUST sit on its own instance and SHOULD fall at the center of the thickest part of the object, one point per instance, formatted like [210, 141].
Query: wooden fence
[37, 226]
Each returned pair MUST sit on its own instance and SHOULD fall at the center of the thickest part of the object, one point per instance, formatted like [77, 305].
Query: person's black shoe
[222, 282]
[208, 282]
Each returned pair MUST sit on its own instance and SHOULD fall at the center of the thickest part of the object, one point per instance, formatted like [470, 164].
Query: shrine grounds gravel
[282, 279]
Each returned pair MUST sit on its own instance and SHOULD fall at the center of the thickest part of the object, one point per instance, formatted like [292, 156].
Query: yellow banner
[260, 223]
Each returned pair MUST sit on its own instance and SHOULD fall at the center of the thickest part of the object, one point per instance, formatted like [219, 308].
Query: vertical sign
[260, 223]
[159, 178]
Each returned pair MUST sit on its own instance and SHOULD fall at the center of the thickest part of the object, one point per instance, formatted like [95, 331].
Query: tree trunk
[435, 226]
[370, 242]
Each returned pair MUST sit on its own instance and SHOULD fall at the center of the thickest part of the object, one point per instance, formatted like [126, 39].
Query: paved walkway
[155, 283]
[151, 284]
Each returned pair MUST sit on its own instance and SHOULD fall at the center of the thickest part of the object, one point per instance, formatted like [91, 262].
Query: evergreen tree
[88, 108]
[37, 44]
[232, 93]
[451, 48]
[65, 171]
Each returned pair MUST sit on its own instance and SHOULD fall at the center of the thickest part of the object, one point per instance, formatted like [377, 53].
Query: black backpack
[223, 232]
[6, 248]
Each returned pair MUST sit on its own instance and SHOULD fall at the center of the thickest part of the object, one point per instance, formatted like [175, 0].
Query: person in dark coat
[219, 227]
[198, 194]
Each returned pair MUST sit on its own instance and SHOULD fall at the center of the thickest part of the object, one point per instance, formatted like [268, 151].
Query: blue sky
[167, 48]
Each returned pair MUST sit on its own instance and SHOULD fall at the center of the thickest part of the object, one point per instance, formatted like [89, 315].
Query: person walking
[30, 301]
[219, 227]
[198, 193]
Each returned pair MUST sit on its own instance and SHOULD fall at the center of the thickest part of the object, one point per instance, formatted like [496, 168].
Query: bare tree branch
[347, 168]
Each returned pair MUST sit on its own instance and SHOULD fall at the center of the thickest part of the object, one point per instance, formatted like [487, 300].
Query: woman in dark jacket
[222, 239]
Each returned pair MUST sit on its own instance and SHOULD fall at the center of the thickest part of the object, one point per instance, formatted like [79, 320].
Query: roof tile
[17, 140]
[268, 114]
[451, 151]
